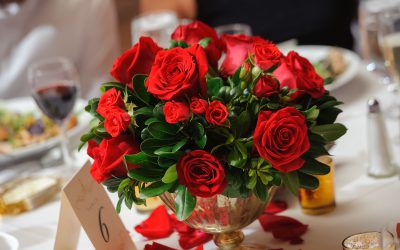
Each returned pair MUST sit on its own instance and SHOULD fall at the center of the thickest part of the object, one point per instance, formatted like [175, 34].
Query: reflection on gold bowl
[223, 216]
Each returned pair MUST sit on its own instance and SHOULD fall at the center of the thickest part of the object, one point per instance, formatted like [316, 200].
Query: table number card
[85, 202]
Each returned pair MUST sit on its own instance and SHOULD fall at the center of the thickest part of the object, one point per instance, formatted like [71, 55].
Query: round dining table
[363, 203]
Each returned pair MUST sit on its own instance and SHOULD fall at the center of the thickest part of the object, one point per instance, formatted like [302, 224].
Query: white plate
[8, 242]
[27, 104]
[315, 53]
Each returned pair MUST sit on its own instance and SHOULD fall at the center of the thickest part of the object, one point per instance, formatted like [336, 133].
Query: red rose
[198, 106]
[281, 138]
[266, 54]
[192, 33]
[216, 113]
[266, 86]
[176, 112]
[177, 73]
[109, 100]
[237, 48]
[117, 121]
[108, 155]
[136, 60]
[296, 71]
[201, 173]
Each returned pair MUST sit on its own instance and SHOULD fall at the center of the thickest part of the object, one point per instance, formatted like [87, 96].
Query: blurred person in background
[85, 32]
[325, 22]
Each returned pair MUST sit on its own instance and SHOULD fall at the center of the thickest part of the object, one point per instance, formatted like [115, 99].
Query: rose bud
[198, 106]
[176, 112]
[216, 113]
[266, 86]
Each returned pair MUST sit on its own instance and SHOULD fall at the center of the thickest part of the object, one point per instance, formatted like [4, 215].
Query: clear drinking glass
[158, 25]
[234, 28]
[54, 84]
[389, 40]
[390, 236]
[369, 12]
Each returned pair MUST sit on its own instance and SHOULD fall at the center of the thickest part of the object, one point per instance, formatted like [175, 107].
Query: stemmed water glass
[54, 84]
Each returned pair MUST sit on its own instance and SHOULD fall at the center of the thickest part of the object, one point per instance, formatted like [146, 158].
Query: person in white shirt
[85, 32]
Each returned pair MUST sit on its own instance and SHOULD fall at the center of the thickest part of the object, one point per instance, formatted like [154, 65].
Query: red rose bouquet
[175, 122]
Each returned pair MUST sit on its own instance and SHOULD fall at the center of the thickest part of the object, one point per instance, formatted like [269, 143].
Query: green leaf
[261, 191]
[214, 84]
[312, 113]
[184, 203]
[148, 146]
[158, 112]
[170, 149]
[165, 162]
[314, 167]
[330, 132]
[109, 85]
[155, 189]
[308, 181]
[163, 130]
[329, 104]
[251, 183]
[317, 149]
[204, 42]
[291, 181]
[170, 175]
[147, 111]
[145, 134]
[146, 175]
[119, 203]
[328, 116]
[140, 89]
[202, 141]
[141, 159]
[112, 184]
[243, 123]
[123, 185]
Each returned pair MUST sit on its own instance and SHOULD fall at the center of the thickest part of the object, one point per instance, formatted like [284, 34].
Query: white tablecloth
[363, 203]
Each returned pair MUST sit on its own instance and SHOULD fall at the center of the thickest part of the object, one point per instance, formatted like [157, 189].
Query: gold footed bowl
[224, 217]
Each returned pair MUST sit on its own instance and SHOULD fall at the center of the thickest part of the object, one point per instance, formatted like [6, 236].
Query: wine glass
[55, 85]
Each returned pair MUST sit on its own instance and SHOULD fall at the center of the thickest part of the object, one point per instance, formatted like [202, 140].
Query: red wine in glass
[56, 100]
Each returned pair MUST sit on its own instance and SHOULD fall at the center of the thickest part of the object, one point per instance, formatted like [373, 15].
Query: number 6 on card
[84, 202]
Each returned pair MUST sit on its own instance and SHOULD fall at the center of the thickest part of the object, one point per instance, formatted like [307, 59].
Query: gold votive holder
[366, 241]
[322, 199]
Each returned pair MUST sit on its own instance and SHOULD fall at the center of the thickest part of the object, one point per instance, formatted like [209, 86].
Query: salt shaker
[380, 162]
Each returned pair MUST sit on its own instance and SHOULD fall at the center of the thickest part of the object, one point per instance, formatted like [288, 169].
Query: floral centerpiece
[178, 121]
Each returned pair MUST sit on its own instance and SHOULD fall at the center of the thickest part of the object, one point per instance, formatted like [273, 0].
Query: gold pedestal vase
[224, 217]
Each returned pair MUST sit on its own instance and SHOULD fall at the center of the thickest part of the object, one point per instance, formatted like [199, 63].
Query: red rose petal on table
[275, 207]
[282, 227]
[398, 230]
[157, 246]
[158, 225]
[197, 237]
[199, 247]
[179, 226]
